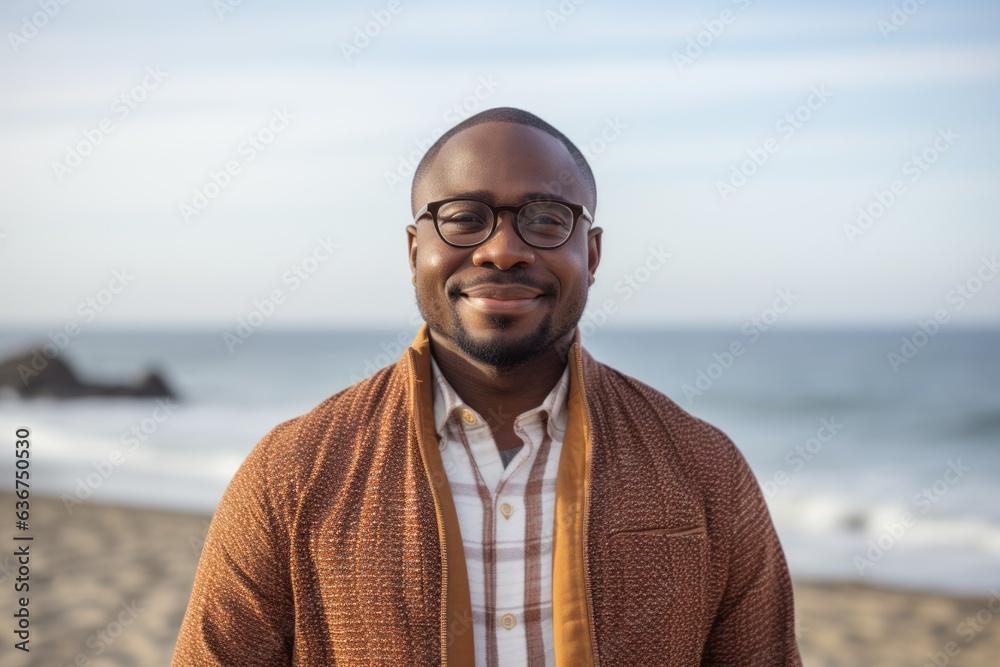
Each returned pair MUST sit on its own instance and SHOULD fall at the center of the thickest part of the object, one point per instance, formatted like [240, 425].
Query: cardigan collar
[572, 615]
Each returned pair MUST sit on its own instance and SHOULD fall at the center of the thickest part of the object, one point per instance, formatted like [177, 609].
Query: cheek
[571, 270]
[435, 264]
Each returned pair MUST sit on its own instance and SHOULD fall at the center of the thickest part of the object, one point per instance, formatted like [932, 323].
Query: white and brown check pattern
[506, 519]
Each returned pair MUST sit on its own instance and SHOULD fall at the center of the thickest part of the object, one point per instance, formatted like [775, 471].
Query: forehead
[508, 161]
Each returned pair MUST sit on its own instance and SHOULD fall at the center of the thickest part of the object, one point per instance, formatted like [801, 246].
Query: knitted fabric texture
[336, 543]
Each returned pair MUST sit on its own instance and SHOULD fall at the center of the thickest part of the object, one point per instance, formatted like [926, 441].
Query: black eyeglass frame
[578, 211]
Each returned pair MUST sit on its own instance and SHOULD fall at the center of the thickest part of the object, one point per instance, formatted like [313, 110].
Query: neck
[500, 395]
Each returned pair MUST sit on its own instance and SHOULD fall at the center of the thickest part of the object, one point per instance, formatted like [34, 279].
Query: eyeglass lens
[469, 222]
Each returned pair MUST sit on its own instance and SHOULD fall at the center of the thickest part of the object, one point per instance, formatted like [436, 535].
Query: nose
[504, 249]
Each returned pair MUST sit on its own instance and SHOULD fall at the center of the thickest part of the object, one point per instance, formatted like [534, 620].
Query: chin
[501, 347]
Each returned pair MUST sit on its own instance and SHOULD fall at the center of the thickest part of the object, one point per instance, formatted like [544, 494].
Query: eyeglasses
[541, 223]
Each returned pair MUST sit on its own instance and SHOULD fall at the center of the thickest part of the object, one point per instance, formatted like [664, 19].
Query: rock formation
[32, 375]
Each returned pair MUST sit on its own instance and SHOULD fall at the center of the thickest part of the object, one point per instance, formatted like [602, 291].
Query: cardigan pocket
[659, 579]
[692, 530]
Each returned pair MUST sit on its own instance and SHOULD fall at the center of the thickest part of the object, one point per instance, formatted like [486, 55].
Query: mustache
[455, 290]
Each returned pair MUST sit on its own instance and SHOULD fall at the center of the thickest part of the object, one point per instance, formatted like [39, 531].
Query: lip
[501, 305]
[503, 292]
[502, 298]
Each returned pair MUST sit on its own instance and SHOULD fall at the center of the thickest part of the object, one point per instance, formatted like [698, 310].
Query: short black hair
[505, 115]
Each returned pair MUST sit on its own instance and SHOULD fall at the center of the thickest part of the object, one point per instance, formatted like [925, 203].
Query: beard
[499, 348]
[504, 351]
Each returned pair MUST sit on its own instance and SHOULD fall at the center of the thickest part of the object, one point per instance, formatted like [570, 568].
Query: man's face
[502, 302]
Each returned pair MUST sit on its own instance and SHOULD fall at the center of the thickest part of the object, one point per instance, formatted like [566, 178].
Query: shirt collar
[555, 404]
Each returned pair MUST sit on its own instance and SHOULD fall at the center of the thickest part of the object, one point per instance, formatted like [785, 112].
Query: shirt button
[506, 509]
[442, 442]
[508, 621]
[469, 417]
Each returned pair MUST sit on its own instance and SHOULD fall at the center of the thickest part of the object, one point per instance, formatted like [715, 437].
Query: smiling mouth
[503, 292]
[502, 298]
[500, 305]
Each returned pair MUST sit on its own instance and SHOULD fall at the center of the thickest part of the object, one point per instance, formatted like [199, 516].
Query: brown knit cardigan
[337, 541]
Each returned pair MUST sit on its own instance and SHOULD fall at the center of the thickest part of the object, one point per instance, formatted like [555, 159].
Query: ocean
[878, 451]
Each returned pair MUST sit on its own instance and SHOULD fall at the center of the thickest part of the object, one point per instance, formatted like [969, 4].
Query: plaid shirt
[506, 518]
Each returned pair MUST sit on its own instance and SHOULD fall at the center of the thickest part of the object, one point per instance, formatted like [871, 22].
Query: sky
[187, 164]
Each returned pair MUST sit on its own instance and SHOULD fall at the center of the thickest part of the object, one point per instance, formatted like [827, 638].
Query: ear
[411, 240]
[593, 251]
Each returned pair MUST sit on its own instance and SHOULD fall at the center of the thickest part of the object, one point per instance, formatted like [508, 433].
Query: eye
[547, 219]
[464, 221]
[462, 218]
[465, 212]
[544, 221]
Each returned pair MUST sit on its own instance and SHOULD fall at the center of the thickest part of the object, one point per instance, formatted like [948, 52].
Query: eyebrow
[487, 196]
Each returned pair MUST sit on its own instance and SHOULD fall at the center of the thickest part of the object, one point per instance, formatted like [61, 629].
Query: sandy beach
[109, 586]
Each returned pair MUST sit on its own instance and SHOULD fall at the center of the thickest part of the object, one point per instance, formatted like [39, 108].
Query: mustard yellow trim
[571, 618]
[457, 634]
[572, 621]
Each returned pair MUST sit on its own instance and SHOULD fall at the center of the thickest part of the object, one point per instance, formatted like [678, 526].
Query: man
[496, 497]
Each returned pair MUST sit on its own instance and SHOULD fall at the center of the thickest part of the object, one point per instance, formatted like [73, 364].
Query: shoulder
[286, 457]
[618, 402]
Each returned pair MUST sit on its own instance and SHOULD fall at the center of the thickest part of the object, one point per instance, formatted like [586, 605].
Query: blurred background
[203, 202]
